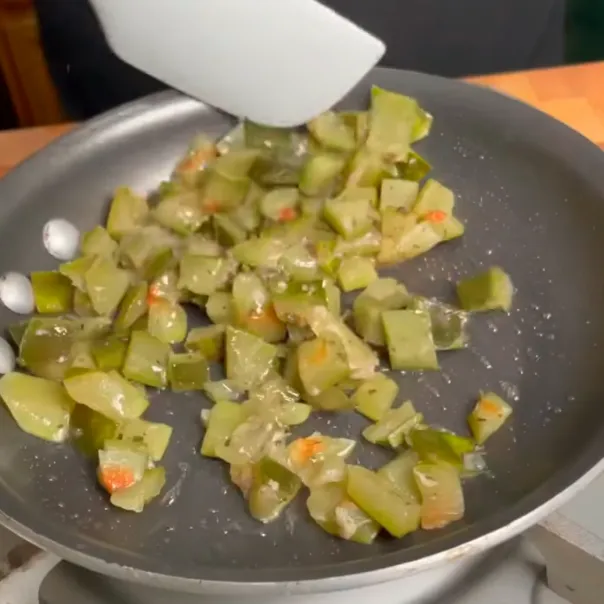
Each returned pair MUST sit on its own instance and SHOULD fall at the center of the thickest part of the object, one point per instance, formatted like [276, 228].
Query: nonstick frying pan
[531, 192]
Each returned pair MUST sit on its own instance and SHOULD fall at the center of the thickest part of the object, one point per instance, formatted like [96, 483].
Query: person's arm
[89, 78]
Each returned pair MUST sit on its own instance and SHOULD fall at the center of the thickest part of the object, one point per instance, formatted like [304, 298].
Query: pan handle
[22, 573]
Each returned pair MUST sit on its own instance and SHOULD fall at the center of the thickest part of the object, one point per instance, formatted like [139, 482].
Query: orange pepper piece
[306, 448]
[210, 206]
[197, 160]
[287, 214]
[114, 478]
[153, 295]
[320, 355]
[436, 216]
[264, 316]
[489, 407]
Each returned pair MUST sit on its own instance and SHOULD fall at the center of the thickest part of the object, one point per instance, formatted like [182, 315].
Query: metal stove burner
[571, 543]
[512, 573]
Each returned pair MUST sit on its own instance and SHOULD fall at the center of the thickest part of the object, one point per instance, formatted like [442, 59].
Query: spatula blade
[275, 62]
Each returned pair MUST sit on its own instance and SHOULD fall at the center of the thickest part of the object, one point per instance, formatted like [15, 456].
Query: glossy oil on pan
[531, 193]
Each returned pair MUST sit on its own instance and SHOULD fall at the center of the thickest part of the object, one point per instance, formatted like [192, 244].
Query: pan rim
[558, 489]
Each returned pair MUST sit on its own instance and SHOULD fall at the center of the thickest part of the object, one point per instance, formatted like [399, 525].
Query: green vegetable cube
[380, 500]
[349, 217]
[237, 162]
[132, 308]
[16, 331]
[333, 297]
[224, 417]
[53, 292]
[440, 445]
[155, 436]
[147, 360]
[364, 193]
[322, 363]
[362, 361]
[297, 298]
[415, 167]
[127, 212]
[422, 125]
[203, 275]
[405, 237]
[167, 321]
[356, 273]
[398, 194]
[450, 228]
[40, 407]
[261, 251]
[392, 121]
[300, 264]
[106, 285]
[394, 426]
[158, 263]
[409, 339]
[295, 414]
[45, 347]
[222, 390]
[209, 341]
[222, 193]
[187, 371]
[134, 498]
[107, 393]
[434, 197]
[181, 213]
[280, 202]
[228, 232]
[274, 487]
[442, 494]
[98, 242]
[90, 429]
[109, 353]
[380, 295]
[399, 472]
[492, 290]
[75, 270]
[220, 308]
[332, 131]
[201, 245]
[332, 399]
[249, 359]
[330, 507]
[489, 414]
[374, 397]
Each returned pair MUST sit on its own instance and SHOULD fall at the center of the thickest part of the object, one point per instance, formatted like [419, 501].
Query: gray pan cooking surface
[531, 193]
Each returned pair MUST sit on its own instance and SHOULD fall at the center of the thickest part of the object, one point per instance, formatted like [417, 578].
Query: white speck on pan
[172, 494]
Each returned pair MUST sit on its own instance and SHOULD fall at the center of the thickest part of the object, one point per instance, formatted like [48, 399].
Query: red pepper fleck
[436, 216]
[210, 206]
[115, 478]
[153, 295]
[287, 214]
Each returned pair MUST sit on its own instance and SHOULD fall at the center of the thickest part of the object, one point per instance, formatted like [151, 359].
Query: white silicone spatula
[275, 62]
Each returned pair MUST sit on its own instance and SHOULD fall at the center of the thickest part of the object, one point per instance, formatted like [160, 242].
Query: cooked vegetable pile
[261, 232]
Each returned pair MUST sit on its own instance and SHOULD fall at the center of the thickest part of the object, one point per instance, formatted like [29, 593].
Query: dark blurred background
[54, 65]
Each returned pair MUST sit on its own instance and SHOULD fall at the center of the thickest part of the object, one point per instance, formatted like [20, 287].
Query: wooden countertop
[573, 95]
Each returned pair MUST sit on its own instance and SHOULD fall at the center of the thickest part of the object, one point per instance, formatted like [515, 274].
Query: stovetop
[559, 562]
[512, 573]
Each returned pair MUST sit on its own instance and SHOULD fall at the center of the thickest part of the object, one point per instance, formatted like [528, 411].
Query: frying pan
[531, 193]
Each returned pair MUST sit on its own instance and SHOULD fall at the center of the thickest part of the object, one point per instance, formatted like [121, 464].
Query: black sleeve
[463, 37]
[89, 78]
